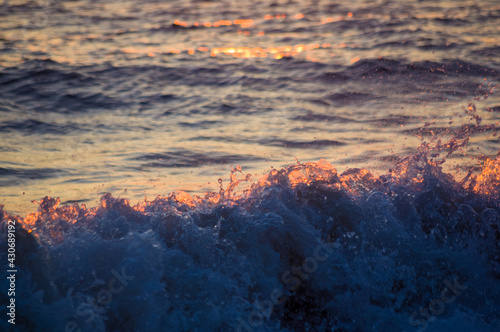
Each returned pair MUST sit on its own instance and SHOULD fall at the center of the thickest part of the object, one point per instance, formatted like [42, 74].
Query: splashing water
[391, 243]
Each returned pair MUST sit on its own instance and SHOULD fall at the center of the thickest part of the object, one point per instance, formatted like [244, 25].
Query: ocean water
[251, 166]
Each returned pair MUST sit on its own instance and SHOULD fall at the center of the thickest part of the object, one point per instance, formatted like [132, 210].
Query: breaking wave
[302, 249]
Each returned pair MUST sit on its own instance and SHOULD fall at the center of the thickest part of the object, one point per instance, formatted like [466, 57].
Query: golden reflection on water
[86, 44]
[237, 52]
[79, 44]
[246, 52]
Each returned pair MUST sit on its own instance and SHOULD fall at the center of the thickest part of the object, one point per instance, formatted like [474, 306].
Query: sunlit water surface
[143, 98]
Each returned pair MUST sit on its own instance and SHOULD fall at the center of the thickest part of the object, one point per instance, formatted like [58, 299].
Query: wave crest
[210, 262]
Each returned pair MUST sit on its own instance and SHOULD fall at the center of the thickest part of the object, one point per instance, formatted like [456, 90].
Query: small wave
[316, 144]
[374, 68]
[189, 158]
[312, 117]
[487, 51]
[14, 176]
[350, 98]
[34, 127]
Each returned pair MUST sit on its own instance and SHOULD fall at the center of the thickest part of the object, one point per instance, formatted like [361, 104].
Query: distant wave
[37, 85]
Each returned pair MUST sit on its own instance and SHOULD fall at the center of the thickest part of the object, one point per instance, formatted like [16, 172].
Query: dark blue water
[220, 113]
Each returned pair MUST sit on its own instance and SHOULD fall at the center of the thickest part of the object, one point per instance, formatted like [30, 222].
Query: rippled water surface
[154, 96]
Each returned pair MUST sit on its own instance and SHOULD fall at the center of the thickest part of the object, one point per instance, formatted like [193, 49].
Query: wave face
[304, 249]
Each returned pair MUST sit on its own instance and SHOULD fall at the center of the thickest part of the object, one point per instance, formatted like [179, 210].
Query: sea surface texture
[251, 165]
